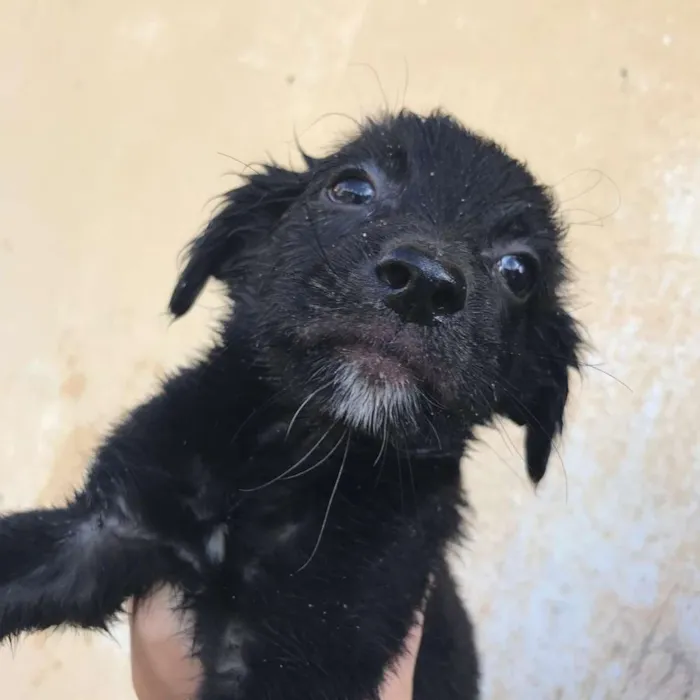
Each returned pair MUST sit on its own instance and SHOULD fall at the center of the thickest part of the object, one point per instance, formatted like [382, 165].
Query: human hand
[161, 666]
[163, 669]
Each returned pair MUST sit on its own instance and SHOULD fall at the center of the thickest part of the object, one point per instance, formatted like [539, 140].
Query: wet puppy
[300, 485]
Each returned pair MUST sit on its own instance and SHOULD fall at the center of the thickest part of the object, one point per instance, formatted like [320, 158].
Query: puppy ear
[544, 424]
[248, 214]
[539, 389]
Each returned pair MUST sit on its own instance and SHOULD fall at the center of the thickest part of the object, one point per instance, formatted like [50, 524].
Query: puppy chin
[374, 395]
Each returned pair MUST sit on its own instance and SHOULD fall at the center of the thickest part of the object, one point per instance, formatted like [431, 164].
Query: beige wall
[112, 117]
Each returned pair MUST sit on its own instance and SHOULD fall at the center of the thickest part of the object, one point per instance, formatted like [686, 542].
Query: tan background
[112, 117]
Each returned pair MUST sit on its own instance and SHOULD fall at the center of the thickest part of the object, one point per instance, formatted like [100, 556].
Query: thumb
[398, 684]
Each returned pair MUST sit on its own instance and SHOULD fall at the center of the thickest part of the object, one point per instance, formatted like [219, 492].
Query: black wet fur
[303, 531]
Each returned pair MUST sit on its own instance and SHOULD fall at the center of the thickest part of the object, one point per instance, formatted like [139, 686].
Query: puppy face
[409, 285]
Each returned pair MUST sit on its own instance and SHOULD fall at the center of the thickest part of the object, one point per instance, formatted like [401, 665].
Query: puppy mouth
[380, 353]
[373, 391]
[378, 374]
[377, 367]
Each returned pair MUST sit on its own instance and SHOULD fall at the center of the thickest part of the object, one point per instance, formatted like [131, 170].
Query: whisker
[587, 365]
[412, 480]
[383, 453]
[246, 166]
[254, 413]
[541, 427]
[432, 401]
[293, 467]
[405, 83]
[321, 250]
[384, 440]
[306, 401]
[601, 176]
[376, 77]
[320, 461]
[328, 509]
[504, 461]
[398, 466]
[608, 374]
[314, 231]
[503, 432]
[435, 432]
[327, 115]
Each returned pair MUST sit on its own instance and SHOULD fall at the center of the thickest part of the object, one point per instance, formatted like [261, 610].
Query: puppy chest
[246, 550]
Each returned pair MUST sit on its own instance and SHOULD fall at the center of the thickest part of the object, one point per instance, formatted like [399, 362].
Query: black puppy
[301, 484]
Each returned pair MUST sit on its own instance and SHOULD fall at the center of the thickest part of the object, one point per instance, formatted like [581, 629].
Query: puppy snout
[420, 288]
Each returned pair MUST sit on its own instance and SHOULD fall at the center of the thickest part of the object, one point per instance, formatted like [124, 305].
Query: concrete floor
[113, 116]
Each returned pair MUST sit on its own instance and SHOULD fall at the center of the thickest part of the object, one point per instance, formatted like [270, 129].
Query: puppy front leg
[74, 565]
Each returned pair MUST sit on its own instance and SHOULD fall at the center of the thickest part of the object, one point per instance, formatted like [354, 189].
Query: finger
[162, 665]
[398, 684]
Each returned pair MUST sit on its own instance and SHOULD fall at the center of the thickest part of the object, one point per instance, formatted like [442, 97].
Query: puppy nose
[421, 289]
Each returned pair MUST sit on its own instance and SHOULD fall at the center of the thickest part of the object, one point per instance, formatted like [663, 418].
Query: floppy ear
[248, 214]
[540, 376]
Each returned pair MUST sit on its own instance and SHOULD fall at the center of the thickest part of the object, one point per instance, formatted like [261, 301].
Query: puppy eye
[352, 189]
[519, 272]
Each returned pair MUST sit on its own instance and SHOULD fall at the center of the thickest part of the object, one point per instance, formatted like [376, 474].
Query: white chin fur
[371, 405]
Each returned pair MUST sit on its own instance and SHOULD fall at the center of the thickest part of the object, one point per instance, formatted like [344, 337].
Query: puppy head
[409, 285]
